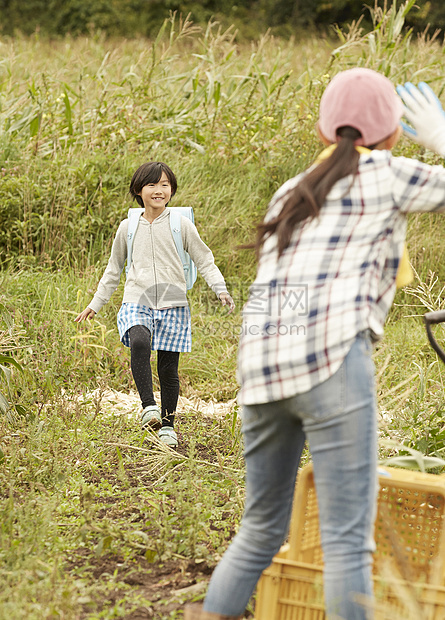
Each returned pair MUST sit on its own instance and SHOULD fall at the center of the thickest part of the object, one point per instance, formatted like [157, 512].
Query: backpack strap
[189, 267]
[175, 226]
[134, 213]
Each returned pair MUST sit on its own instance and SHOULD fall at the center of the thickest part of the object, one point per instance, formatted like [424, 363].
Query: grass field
[97, 520]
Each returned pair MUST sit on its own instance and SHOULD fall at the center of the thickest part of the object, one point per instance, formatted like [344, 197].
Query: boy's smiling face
[156, 195]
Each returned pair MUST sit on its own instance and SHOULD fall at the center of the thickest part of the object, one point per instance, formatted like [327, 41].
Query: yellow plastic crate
[409, 563]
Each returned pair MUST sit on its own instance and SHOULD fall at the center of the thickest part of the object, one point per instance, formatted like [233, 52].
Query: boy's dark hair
[150, 173]
[305, 200]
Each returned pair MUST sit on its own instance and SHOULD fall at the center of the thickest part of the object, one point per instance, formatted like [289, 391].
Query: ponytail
[306, 199]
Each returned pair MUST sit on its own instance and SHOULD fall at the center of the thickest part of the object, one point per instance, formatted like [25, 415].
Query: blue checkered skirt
[171, 328]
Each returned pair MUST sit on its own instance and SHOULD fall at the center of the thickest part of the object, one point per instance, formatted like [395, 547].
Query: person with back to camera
[155, 314]
[329, 249]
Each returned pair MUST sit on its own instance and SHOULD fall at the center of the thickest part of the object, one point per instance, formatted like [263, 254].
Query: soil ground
[168, 585]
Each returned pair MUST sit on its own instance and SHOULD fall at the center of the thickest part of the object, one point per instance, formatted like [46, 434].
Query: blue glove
[426, 116]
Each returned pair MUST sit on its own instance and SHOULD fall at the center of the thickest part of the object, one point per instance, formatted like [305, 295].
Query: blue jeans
[338, 417]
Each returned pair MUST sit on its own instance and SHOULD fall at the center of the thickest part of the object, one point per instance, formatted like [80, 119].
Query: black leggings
[167, 363]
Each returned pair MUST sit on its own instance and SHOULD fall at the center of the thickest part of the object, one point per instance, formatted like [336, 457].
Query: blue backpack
[134, 213]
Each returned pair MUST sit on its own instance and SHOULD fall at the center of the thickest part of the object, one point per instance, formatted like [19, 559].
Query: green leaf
[416, 461]
[160, 34]
[6, 316]
[5, 373]
[4, 405]
[9, 361]
[217, 93]
[21, 410]
[68, 113]
[195, 145]
[422, 463]
[34, 125]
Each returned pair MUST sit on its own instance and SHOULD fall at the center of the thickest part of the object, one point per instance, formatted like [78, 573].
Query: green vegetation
[97, 520]
[130, 18]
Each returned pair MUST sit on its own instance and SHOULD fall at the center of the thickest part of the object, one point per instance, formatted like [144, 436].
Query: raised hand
[425, 114]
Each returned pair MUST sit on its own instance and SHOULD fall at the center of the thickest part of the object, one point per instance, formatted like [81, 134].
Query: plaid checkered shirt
[335, 279]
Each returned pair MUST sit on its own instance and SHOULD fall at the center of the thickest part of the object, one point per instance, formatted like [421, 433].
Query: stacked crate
[409, 563]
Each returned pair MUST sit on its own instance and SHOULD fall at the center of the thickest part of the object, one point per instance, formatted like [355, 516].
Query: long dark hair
[305, 200]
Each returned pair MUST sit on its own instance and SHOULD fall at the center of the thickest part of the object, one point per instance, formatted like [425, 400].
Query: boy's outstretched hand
[88, 313]
[226, 300]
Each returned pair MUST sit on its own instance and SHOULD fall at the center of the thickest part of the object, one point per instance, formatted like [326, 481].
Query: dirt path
[113, 402]
[169, 584]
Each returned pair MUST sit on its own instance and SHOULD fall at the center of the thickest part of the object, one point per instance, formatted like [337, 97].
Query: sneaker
[168, 435]
[151, 417]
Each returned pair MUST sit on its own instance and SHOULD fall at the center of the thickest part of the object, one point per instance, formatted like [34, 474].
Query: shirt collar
[327, 152]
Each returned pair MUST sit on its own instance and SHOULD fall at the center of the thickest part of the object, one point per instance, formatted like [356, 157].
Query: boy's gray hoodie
[156, 276]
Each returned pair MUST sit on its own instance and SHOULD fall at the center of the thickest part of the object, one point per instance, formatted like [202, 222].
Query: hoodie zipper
[154, 264]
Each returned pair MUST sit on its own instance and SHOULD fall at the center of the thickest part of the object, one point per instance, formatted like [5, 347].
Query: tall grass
[233, 121]
[78, 116]
[73, 134]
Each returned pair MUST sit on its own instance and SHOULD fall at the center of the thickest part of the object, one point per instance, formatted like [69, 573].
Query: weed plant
[81, 484]
[77, 116]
